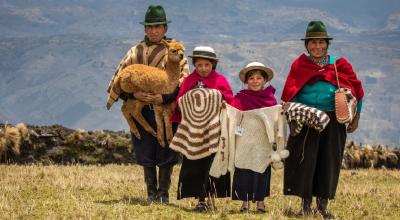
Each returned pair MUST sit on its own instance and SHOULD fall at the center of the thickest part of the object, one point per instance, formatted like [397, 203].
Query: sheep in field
[139, 77]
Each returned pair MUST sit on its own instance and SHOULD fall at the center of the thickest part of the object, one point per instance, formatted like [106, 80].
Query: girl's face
[317, 48]
[256, 81]
[203, 67]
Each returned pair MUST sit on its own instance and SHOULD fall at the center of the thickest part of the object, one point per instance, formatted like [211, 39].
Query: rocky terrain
[27, 144]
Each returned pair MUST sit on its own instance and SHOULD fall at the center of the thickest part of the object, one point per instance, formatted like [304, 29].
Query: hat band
[317, 34]
[155, 19]
[204, 53]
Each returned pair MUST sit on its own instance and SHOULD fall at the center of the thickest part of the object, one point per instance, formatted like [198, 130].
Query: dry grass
[117, 192]
[10, 140]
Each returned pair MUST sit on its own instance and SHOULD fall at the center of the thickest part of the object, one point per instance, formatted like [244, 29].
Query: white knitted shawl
[261, 129]
[198, 133]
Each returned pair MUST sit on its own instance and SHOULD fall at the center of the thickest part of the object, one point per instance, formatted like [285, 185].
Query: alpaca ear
[182, 44]
[165, 43]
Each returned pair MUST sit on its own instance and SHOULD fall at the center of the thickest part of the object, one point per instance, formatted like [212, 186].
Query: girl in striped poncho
[194, 179]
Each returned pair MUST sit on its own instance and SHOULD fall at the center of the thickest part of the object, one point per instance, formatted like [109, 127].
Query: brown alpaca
[139, 77]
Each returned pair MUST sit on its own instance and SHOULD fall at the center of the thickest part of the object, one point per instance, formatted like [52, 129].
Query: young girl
[247, 184]
[194, 179]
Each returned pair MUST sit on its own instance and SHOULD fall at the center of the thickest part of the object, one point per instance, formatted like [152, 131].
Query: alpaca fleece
[151, 55]
[199, 131]
[140, 77]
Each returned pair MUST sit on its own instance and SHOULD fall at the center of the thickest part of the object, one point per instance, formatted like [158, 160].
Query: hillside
[56, 57]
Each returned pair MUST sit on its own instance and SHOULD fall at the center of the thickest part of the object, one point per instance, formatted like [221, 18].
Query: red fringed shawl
[213, 81]
[303, 71]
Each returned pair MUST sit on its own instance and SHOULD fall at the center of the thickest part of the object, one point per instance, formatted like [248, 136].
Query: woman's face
[317, 48]
[203, 67]
[256, 81]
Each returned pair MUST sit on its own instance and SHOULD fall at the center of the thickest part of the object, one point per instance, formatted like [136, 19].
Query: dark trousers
[148, 151]
[313, 166]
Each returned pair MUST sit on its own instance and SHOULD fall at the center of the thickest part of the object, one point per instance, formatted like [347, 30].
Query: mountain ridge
[58, 71]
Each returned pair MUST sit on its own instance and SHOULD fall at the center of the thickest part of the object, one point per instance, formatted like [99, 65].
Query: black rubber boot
[164, 176]
[306, 202]
[150, 178]
[322, 207]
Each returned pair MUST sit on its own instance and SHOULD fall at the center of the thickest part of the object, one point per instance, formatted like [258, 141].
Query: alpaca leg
[160, 125]
[167, 113]
[137, 115]
[127, 112]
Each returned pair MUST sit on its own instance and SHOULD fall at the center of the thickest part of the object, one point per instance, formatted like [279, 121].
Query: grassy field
[117, 192]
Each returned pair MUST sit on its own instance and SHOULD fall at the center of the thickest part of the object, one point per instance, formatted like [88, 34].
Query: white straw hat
[256, 66]
[204, 52]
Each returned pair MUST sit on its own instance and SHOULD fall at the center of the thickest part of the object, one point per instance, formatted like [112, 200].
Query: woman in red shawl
[194, 179]
[313, 167]
[247, 184]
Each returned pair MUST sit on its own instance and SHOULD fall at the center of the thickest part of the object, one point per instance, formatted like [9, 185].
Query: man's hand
[149, 97]
[353, 124]
[142, 96]
[155, 99]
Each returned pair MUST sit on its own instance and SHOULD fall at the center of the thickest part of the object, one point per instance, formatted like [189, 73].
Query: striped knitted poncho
[298, 114]
[199, 131]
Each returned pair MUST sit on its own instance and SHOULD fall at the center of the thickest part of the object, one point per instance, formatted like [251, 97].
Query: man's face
[155, 33]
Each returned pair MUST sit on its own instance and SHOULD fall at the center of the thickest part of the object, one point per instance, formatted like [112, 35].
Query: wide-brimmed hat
[155, 15]
[204, 52]
[316, 30]
[256, 66]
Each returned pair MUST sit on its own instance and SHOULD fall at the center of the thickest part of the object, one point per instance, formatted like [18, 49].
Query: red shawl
[213, 81]
[247, 99]
[304, 71]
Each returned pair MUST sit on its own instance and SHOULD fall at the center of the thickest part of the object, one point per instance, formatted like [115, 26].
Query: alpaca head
[176, 51]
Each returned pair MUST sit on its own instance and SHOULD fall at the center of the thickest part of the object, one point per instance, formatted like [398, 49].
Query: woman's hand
[353, 124]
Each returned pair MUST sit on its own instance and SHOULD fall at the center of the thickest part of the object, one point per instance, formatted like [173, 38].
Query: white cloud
[392, 23]
[34, 15]
[307, 14]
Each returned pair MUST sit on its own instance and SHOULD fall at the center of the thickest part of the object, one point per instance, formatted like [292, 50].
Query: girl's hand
[223, 104]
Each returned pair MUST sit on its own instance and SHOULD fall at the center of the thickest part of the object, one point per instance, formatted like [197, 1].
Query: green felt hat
[316, 30]
[155, 15]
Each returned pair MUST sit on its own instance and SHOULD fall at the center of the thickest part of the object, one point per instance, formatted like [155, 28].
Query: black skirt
[148, 151]
[313, 166]
[251, 186]
[195, 181]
